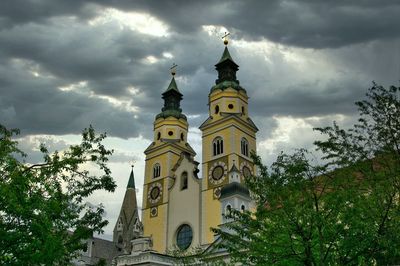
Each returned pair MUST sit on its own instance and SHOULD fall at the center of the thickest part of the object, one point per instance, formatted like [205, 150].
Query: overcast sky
[67, 64]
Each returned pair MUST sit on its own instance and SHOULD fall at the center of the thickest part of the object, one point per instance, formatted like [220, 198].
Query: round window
[170, 133]
[230, 106]
[184, 237]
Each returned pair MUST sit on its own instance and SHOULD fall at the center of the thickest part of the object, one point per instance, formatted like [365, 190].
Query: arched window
[216, 109]
[242, 208]
[218, 146]
[228, 209]
[156, 170]
[244, 147]
[158, 135]
[182, 137]
[184, 181]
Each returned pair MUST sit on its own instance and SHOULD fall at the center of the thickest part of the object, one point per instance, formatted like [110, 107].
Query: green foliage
[344, 212]
[193, 256]
[43, 216]
[102, 262]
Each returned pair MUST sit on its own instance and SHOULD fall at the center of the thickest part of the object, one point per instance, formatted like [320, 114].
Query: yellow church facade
[179, 208]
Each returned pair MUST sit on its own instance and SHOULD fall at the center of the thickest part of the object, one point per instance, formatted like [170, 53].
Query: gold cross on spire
[225, 37]
[173, 69]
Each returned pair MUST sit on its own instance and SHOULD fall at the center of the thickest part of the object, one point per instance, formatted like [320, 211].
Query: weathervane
[173, 69]
[133, 163]
[225, 37]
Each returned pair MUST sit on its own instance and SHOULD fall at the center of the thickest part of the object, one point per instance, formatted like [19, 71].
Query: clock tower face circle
[246, 171]
[155, 192]
[217, 173]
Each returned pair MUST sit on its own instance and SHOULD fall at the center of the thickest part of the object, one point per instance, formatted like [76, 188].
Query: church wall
[232, 131]
[156, 227]
[211, 205]
[210, 214]
[184, 205]
[164, 126]
[223, 98]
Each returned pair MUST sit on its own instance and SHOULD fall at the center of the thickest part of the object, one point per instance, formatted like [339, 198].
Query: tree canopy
[344, 210]
[44, 218]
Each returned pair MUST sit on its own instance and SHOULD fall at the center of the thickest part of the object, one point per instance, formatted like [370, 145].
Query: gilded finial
[173, 69]
[225, 37]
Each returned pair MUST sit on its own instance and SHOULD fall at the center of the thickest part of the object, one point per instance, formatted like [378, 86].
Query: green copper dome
[227, 69]
[172, 98]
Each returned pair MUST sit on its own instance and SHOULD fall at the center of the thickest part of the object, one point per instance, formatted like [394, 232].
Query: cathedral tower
[171, 192]
[228, 136]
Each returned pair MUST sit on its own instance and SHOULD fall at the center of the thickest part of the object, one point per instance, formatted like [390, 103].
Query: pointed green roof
[227, 69]
[172, 98]
[226, 56]
[131, 182]
[172, 86]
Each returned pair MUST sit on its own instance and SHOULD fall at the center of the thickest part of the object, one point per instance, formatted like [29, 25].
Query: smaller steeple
[128, 226]
[131, 182]
[227, 69]
[172, 98]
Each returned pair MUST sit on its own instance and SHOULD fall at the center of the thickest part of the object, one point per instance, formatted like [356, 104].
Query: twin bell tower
[179, 208]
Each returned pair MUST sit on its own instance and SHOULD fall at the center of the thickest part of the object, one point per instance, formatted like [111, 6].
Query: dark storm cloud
[15, 12]
[67, 52]
[36, 106]
[312, 24]
[56, 40]
[308, 23]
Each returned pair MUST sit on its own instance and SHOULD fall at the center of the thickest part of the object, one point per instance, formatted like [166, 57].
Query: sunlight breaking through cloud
[143, 23]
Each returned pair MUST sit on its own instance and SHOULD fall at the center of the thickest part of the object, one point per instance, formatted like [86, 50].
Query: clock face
[153, 212]
[217, 173]
[217, 192]
[155, 192]
[246, 171]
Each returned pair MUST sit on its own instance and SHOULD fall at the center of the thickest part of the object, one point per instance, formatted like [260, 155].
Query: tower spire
[131, 182]
[227, 69]
[172, 98]
[128, 225]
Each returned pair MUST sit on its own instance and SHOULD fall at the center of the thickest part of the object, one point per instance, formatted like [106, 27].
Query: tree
[44, 219]
[345, 211]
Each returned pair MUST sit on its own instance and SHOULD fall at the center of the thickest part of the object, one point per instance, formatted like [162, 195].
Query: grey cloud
[38, 107]
[310, 23]
[66, 51]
